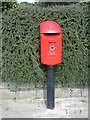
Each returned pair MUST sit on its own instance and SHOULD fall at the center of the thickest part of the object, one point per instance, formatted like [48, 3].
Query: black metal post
[50, 87]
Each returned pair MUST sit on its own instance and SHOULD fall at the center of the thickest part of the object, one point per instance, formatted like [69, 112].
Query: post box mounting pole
[50, 87]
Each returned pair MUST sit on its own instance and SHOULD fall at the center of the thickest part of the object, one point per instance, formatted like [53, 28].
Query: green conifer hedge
[20, 44]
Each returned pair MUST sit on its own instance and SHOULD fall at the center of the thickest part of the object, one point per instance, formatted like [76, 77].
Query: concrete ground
[72, 107]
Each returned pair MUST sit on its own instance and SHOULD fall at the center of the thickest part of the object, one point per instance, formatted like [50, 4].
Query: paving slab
[72, 107]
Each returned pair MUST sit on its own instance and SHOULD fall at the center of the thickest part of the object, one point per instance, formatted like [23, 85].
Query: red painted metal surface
[50, 43]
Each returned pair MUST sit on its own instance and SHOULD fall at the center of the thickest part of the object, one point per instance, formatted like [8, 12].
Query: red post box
[51, 43]
[51, 54]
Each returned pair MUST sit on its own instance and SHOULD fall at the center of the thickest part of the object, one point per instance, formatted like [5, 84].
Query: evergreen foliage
[9, 5]
[21, 41]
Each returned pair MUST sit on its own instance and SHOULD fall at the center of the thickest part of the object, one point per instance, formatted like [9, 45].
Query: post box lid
[50, 27]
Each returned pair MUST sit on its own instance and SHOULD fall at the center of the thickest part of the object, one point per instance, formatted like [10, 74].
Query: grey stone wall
[60, 92]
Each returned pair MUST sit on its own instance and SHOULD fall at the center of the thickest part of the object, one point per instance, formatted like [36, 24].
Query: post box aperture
[50, 43]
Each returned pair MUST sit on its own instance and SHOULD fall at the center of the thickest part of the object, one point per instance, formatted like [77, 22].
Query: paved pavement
[72, 107]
